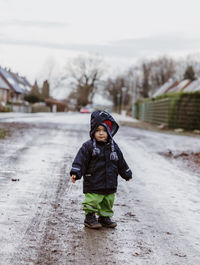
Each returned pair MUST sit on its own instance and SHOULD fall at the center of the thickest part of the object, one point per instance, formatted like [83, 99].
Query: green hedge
[176, 110]
[6, 108]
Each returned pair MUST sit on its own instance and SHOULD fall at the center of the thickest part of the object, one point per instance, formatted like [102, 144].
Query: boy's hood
[98, 117]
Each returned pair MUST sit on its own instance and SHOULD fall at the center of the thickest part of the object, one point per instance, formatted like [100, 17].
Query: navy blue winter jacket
[99, 171]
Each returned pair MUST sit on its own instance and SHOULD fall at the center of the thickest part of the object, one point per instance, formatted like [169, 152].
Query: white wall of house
[22, 108]
[54, 108]
[17, 98]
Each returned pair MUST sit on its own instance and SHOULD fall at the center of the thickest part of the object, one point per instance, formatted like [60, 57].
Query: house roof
[50, 101]
[165, 87]
[18, 83]
[3, 84]
[180, 87]
[183, 86]
[193, 86]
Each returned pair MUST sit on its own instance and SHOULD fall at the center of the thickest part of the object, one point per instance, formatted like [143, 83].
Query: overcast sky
[122, 31]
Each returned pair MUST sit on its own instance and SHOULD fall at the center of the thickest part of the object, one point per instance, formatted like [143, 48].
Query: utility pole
[118, 102]
[123, 99]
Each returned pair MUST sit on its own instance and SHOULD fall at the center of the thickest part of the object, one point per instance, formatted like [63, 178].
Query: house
[181, 86]
[165, 87]
[55, 105]
[13, 87]
[174, 86]
[4, 91]
[193, 86]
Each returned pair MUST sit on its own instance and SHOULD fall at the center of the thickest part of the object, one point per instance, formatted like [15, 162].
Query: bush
[3, 133]
[32, 98]
[6, 108]
[37, 107]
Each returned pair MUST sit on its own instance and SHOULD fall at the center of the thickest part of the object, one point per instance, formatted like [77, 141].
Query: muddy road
[41, 220]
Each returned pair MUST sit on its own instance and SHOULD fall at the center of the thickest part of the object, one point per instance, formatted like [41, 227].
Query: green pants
[99, 204]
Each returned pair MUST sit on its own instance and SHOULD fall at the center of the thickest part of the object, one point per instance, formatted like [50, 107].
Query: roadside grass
[4, 133]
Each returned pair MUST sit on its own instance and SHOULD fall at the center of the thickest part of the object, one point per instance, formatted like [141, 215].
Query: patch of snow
[180, 86]
[194, 86]
[121, 118]
[163, 88]
[173, 191]
[65, 117]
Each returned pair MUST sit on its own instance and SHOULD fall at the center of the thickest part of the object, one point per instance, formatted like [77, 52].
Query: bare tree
[51, 72]
[84, 73]
[119, 91]
[154, 73]
[162, 70]
[146, 69]
[134, 82]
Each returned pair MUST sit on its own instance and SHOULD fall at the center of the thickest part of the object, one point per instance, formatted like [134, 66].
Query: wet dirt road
[41, 221]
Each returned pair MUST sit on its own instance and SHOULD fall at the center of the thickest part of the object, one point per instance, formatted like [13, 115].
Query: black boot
[106, 222]
[91, 221]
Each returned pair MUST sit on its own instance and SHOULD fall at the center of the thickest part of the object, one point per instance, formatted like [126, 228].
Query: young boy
[99, 161]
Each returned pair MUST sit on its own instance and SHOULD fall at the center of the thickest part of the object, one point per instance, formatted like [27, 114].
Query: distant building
[4, 91]
[174, 86]
[13, 87]
[193, 86]
[55, 105]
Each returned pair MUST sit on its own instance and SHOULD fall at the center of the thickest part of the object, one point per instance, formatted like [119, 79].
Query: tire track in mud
[63, 240]
[40, 233]
[43, 223]
[56, 235]
[41, 201]
[66, 241]
[157, 236]
[13, 148]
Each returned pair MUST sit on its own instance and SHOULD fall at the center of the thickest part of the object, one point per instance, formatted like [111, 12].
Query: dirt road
[41, 221]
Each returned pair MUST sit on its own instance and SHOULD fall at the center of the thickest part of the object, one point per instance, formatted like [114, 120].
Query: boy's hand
[73, 178]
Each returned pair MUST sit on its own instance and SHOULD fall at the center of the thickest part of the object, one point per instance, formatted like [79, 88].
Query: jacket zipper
[106, 169]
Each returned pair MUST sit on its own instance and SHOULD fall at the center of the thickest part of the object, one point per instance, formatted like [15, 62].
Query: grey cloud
[164, 43]
[33, 23]
[122, 48]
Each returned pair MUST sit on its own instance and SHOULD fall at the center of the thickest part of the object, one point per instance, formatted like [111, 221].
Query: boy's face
[101, 134]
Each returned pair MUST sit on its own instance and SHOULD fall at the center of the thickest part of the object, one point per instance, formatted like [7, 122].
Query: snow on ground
[175, 192]
[62, 118]
[158, 212]
[66, 117]
[121, 118]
